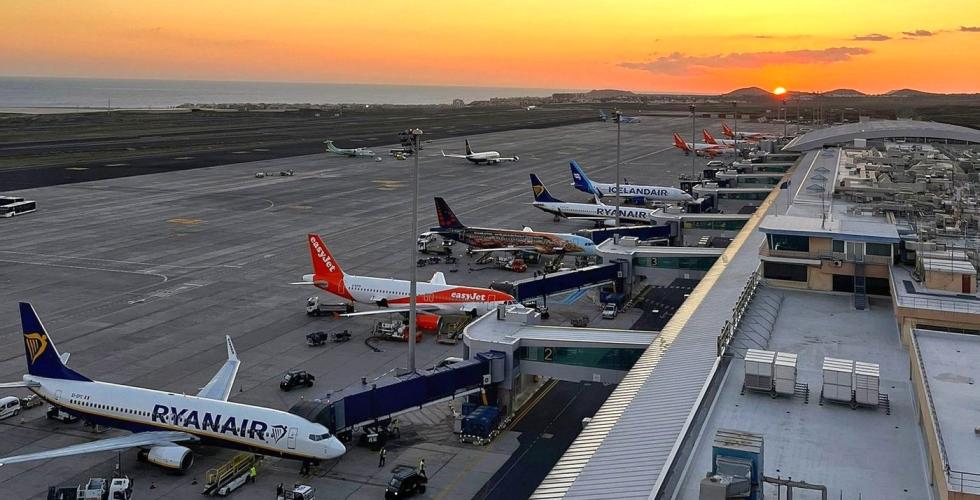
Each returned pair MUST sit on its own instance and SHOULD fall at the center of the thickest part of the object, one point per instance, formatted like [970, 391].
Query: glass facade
[692, 263]
[594, 357]
[720, 225]
[789, 243]
[757, 195]
[881, 249]
[780, 271]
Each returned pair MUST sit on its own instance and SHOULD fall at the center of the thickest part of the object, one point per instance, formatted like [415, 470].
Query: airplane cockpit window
[319, 437]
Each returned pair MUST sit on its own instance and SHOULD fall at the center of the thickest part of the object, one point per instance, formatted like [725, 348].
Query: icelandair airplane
[509, 240]
[600, 212]
[747, 135]
[159, 420]
[392, 295]
[488, 157]
[351, 152]
[702, 149]
[641, 193]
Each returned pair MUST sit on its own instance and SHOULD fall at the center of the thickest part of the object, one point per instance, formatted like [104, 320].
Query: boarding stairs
[217, 478]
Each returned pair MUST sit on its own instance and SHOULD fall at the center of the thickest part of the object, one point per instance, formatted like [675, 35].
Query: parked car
[406, 482]
[296, 378]
[9, 407]
[609, 311]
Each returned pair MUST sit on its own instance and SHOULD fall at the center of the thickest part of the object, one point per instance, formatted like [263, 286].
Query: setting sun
[779, 91]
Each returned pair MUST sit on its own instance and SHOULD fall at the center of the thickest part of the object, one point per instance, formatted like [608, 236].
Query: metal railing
[963, 482]
[728, 330]
[951, 304]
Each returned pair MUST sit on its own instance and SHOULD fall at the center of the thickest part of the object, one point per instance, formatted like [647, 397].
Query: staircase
[860, 287]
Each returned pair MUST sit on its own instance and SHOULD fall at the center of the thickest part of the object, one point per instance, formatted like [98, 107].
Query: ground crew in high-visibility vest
[381, 456]
[252, 473]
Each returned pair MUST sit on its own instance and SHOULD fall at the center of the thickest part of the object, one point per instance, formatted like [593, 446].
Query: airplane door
[57, 396]
[291, 438]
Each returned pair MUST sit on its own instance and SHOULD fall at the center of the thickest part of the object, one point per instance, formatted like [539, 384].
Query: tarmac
[141, 277]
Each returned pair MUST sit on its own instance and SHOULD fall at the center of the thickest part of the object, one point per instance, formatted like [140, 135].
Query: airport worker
[422, 466]
[252, 473]
[382, 455]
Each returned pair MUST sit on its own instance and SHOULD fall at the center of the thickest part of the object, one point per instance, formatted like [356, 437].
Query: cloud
[971, 29]
[918, 33]
[678, 63]
[873, 37]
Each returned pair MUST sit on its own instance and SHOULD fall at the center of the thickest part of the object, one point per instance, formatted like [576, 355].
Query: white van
[9, 407]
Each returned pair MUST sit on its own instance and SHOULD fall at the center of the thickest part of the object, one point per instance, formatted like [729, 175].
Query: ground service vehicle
[320, 338]
[55, 413]
[432, 243]
[609, 311]
[30, 401]
[9, 407]
[296, 378]
[97, 488]
[406, 482]
[316, 308]
[299, 492]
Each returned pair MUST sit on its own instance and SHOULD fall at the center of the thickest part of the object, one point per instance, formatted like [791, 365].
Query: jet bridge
[563, 281]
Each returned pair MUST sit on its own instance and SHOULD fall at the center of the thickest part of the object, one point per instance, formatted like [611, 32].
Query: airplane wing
[154, 438]
[13, 385]
[220, 385]
[452, 155]
[515, 158]
[391, 310]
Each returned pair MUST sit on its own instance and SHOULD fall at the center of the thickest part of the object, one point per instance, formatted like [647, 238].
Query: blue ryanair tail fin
[582, 181]
[540, 192]
[43, 359]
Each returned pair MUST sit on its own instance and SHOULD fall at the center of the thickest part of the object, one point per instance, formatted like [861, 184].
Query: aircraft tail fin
[710, 139]
[580, 180]
[447, 219]
[727, 131]
[679, 143]
[330, 146]
[43, 359]
[541, 193]
[469, 150]
[324, 264]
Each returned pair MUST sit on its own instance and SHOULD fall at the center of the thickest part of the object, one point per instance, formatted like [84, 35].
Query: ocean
[28, 92]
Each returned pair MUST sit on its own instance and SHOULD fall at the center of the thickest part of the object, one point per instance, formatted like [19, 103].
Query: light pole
[784, 118]
[412, 325]
[735, 120]
[619, 127]
[694, 144]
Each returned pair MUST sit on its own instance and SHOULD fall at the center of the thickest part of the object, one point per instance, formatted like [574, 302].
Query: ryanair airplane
[599, 212]
[160, 420]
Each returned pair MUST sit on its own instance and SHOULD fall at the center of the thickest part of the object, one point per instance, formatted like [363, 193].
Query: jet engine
[172, 457]
[429, 322]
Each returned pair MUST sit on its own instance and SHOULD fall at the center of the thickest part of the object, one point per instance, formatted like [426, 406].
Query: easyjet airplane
[392, 296]
[746, 135]
[702, 149]
[710, 139]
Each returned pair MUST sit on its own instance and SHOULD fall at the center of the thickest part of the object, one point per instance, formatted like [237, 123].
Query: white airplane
[702, 149]
[600, 212]
[710, 139]
[351, 152]
[392, 296]
[654, 193]
[488, 157]
[756, 136]
[159, 419]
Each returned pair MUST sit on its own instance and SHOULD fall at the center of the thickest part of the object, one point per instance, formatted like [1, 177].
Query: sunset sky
[704, 46]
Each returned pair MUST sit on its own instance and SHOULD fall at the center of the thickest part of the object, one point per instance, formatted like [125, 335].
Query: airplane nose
[334, 448]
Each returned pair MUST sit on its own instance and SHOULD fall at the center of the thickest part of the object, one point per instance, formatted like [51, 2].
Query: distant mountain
[748, 92]
[608, 93]
[908, 93]
[844, 93]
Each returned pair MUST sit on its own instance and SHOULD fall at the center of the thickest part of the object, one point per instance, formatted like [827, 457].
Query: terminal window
[787, 272]
[789, 243]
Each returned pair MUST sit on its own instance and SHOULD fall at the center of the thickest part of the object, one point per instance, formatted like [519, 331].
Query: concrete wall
[950, 282]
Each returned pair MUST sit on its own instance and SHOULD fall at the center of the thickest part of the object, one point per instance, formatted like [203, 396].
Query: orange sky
[703, 46]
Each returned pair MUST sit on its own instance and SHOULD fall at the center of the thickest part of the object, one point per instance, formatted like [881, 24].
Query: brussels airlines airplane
[352, 152]
[509, 240]
[602, 189]
[488, 157]
[600, 212]
[159, 420]
[432, 297]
